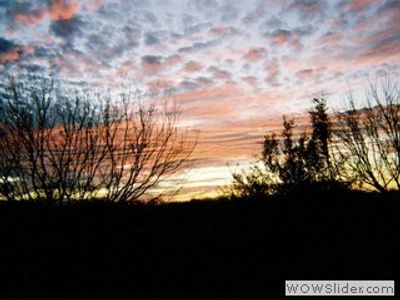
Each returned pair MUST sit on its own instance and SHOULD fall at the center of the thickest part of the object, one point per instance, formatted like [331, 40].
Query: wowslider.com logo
[339, 287]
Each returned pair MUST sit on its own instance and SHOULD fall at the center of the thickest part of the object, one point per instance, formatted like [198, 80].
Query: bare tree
[369, 138]
[61, 147]
[143, 147]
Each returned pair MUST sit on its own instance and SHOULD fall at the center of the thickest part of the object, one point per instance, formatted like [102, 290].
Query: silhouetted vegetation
[357, 148]
[202, 249]
[58, 147]
[370, 139]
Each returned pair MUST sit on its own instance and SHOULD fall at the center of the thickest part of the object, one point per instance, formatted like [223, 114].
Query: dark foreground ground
[214, 249]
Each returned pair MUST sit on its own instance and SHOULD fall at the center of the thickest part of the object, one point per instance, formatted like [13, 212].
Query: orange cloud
[9, 56]
[58, 10]
[62, 10]
[14, 54]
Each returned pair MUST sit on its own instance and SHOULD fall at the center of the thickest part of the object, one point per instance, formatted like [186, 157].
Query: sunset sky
[234, 66]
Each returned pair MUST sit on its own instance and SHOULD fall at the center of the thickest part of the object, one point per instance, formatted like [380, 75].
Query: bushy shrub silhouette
[291, 164]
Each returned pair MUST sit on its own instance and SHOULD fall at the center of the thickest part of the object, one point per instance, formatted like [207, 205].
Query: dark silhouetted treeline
[357, 148]
[212, 249]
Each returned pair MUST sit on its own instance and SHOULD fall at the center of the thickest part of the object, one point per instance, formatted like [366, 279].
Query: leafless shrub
[60, 147]
[369, 138]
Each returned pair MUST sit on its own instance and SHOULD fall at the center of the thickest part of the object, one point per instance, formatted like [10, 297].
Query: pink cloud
[311, 8]
[220, 74]
[381, 53]
[356, 6]
[305, 74]
[219, 30]
[330, 38]
[255, 54]
[152, 67]
[192, 66]
[280, 39]
[160, 84]
[251, 80]
[94, 5]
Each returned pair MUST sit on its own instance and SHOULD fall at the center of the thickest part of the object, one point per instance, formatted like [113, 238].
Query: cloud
[273, 22]
[303, 31]
[308, 8]
[197, 28]
[6, 45]
[204, 81]
[199, 46]
[172, 60]
[188, 85]
[273, 79]
[151, 39]
[111, 44]
[192, 66]
[67, 29]
[195, 84]
[255, 16]
[151, 59]
[356, 6]
[10, 56]
[222, 30]
[160, 84]
[228, 13]
[151, 63]
[330, 38]
[255, 54]
[251, 80]
[219, 74]
[305, 74]
[281, 36]
[46, 52]
[58, 10]
[381, 53]
[132, 32]
[389, 8]
[10, 51]
[93, 5]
